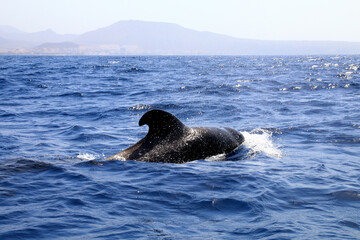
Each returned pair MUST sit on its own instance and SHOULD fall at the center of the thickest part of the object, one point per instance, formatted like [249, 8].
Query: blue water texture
[297, 176]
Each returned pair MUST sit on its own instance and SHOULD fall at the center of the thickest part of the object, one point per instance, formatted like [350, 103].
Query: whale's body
[170, 141]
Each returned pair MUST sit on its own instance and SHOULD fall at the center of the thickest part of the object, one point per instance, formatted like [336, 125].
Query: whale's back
[169, 140]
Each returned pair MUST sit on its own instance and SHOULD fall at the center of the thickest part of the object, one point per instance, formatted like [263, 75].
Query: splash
[86, 156]
[260, 141]
[140, 107]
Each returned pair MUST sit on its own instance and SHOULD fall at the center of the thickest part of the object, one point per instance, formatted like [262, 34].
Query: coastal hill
[156, 38]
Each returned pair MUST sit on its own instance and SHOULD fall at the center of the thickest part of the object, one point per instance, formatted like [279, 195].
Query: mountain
[48, 36]
[20, 39]
[9, 30]
[160, 38]
[139, 37]
[166, 38]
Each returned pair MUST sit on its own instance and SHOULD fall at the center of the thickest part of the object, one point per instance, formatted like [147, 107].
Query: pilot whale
[169, 141]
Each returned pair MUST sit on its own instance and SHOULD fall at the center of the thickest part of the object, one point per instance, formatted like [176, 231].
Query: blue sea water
[297, 176]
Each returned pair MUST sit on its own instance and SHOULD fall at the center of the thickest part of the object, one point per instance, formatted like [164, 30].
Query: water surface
[296, 177]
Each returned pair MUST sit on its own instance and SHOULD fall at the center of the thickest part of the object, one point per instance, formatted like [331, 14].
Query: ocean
[297, 175]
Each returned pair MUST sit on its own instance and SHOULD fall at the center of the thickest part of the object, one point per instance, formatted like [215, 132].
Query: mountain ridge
[134, 37]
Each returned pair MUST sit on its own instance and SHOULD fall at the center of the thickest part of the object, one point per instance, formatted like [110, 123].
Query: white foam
[86, 156]
[113, 62]
[140, 107]
[353, 67]
[260, 141]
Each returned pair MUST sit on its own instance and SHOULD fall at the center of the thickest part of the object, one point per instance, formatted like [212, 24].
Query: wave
[21, 165]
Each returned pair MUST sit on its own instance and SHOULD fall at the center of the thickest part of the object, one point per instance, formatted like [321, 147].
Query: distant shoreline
[129, 38]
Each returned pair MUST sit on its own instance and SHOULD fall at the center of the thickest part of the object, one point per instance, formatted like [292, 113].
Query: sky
[334, 20]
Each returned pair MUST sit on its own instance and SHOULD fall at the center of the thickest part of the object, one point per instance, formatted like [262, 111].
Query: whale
[169, 141]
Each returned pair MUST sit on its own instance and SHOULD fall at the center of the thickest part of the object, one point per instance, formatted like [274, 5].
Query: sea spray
[260, 141]
[86, 156]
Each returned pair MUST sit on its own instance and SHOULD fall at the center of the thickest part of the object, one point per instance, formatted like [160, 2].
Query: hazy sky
[257, 19]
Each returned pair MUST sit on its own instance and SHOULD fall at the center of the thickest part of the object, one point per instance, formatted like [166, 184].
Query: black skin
[170, 141]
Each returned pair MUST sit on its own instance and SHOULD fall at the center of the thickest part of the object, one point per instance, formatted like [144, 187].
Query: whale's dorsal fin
[161, 123]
